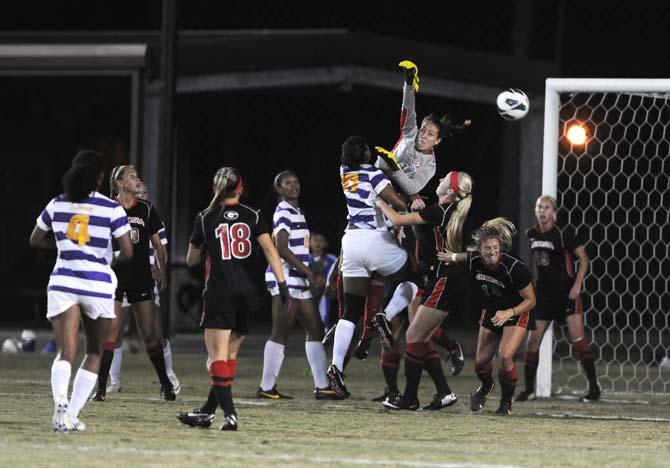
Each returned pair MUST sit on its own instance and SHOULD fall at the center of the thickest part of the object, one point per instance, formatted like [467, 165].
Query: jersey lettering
[234, 240]
[350, 182]
[77, 229]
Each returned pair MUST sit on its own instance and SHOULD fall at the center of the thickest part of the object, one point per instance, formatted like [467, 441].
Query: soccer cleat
[272, 394]
[362, 349]
[167, 393]
[440, 402]
[592, 395]
[326, 394]
[505, 408]
[61, 418]
[478, 399]
[99, 395]
[457, 360]
[196, 418]
[114, 387]
[400, 403]
[229, 423]
[526, 395]
[76, 425]
[175, 383]
[330, 334]
[336, 378]
[384, 328]
[386, 396]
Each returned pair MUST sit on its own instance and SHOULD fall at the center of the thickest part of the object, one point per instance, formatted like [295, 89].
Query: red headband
[454, 182]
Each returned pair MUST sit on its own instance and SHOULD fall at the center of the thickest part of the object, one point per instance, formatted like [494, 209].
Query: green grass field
[134, 428]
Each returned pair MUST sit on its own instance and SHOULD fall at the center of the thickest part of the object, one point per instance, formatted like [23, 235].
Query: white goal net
[614, 190]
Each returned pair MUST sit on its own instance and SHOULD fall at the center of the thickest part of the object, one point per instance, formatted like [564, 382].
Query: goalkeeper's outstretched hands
[411, 74]
[388, 157]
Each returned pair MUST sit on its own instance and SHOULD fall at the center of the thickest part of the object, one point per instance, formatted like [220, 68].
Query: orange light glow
[576, 134]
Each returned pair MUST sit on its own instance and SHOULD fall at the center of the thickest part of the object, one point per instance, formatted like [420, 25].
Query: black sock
[507, 385]
[158, 360]
[390, 364]
[103, 373]
[433, 367]
[225, 397]
[529, 372]
[413, 371]
[210, 405]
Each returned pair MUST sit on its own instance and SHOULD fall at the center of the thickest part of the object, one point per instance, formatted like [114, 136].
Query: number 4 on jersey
[234, 240]
[77, 229]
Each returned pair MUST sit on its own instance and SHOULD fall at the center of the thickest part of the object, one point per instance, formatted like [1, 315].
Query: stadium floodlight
[615, 190]
[576, 134]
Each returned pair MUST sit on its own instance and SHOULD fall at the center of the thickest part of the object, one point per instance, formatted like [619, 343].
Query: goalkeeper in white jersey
[411, 162]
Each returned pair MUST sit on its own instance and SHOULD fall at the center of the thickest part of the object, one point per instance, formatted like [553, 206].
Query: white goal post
[602, 186]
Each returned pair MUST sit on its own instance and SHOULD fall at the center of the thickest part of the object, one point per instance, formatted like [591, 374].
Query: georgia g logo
[231, 215]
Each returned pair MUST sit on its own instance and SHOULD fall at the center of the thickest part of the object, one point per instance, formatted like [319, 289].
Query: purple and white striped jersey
[416, 168]
[292, 220]
[361, 187]
[83, 233]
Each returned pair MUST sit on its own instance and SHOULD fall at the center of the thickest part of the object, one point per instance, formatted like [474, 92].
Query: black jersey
[144, 223]
[553, 256]
[430, 238]
[228, 235]
[500, 287]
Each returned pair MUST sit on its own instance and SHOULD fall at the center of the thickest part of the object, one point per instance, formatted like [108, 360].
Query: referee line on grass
[599, 417]
[283, 457]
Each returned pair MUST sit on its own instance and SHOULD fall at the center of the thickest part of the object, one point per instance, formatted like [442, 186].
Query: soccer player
[438, 226]
[322, 264]
[508, 296]
[136, 282]
[367, 245]
[82, 284]
[115, 369]
[411, 162]
[229, 233]
[558, 293]
[291, 236]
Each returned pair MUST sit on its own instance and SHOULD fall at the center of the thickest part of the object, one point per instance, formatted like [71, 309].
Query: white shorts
[294, 293]
[366, 251]
[94, 307]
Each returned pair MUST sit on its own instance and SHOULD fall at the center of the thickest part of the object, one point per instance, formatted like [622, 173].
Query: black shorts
[228, 311]
[134, 295]
[557, 310]
[444, 293]
[526, 321]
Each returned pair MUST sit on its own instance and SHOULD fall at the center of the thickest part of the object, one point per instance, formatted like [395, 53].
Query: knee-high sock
[585, 356]
[441, 338]
[343, 334]
[318, 362]
[507, 380]
[415, 356]
[105, 364]
[273, 357]
[158, 360]
[433, 367]
[167, 355]
[209, 406]
[390, 361]
[60, 379]
[484, 371]
[403, 295]
[373, 304]
[530, 360]
[115, 369]
[221, 385]
[84, 383]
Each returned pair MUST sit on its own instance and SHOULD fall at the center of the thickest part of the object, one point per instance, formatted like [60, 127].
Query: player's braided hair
[499, 228]
[454, 230]
[117, 174]
[226, 181]
[445, 125]
[83, 175]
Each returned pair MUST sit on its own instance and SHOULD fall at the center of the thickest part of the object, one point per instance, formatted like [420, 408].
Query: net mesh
[614, 191]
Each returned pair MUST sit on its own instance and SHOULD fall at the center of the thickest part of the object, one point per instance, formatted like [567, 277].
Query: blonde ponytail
[226, 181]
[454, 229]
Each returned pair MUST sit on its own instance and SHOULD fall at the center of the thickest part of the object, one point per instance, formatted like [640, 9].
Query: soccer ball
[10, 346]
[513, 104]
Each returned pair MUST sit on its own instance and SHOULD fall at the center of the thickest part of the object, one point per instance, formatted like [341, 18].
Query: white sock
[318, 361]
[84, 383]
[167, 354]
[60, 379]
[402, 296]
[115, 370]
[273, 357]
[343, 334]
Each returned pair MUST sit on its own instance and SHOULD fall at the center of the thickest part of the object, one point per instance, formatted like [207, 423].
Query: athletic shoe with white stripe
[61, 418]
[441, 401]
[229, 423]
[384, 328]
[336, 378]
[76, 425]
[457, 360]
[175, 383]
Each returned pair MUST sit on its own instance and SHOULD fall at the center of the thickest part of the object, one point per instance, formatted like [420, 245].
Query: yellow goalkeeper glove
[389, 158]
[411, 74]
